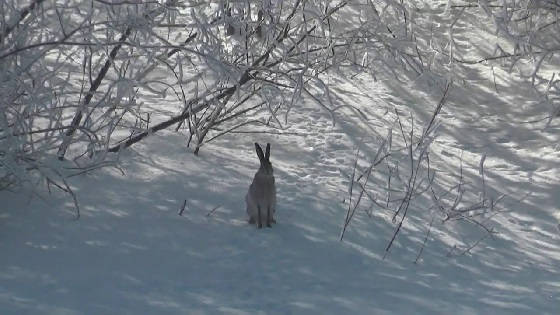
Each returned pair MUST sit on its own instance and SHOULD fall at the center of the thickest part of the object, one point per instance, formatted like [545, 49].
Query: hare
[261, 197]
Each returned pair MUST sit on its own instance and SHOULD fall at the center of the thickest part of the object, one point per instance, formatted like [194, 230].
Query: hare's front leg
[259, 221]
[268, 217]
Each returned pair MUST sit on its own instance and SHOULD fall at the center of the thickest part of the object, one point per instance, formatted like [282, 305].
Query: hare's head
[264, 158]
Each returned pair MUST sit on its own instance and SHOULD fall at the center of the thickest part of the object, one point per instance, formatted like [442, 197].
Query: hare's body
[261, 197]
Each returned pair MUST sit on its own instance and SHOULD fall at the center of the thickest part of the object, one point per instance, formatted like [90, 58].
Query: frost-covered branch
[411, 185]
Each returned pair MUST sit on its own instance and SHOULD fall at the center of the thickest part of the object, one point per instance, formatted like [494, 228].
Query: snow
[132, 253]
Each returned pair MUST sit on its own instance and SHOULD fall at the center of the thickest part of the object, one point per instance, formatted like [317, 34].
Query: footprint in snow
[504, 139]
[446, 153]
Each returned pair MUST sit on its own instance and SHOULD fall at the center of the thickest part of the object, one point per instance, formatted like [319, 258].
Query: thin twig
[183, 207]
[212, 211]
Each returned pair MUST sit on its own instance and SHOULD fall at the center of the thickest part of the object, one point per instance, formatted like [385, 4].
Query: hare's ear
[267, 153]
[259, 152]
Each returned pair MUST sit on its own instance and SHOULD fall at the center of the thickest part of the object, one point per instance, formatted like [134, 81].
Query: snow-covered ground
[131, 253]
